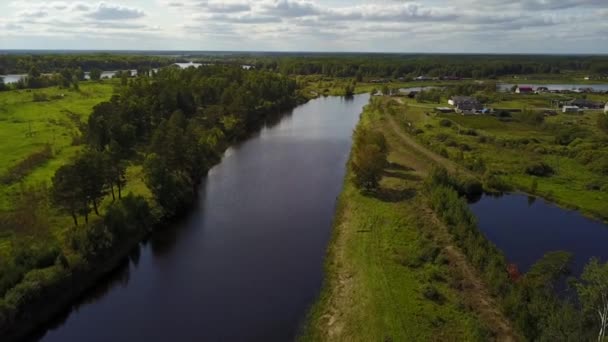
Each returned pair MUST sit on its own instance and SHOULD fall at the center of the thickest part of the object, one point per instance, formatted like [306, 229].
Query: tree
[593, 294]
[386, 90]
[91, 168]
[170, 188]
[79, 74]
[368, 164]
[2, 84]
[369, 158]
[66, 192]
[95, 75]
[349, 89]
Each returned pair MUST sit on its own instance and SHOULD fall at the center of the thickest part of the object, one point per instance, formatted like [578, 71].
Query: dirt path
[422, 150]
[473, 288]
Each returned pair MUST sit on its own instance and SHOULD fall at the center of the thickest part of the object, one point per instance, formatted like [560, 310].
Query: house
[524, 90]
[540, 90]
[445, 109]
[606, 108]
[465, 104]
[585, 104]
[423, 78]
[570, 109]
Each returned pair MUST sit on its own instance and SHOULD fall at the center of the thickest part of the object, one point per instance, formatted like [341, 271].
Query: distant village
[469, 105]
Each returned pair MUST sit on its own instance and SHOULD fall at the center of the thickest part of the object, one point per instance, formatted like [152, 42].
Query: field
[392, 273]
[571, 144]
[27, 126]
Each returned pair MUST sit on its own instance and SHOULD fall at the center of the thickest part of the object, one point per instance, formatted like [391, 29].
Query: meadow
[502, 148]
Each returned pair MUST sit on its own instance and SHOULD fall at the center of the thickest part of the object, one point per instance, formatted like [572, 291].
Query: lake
[248, 262]
[595, 87]
[525, 229]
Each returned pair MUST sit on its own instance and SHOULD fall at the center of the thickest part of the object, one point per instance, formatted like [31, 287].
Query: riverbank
[78, 256]
[392, 271]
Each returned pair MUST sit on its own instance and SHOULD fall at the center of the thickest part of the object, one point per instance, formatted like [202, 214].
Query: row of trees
[531, 301]
[180, 120]
[174, 123]
[50, 63]
[395, 66]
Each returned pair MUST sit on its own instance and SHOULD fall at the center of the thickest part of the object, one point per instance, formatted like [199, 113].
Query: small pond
[525, 229]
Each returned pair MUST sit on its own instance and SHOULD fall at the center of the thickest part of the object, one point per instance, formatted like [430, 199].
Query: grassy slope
[372, 292]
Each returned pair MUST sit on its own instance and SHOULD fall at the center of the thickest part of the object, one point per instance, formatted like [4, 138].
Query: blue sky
[461, 26]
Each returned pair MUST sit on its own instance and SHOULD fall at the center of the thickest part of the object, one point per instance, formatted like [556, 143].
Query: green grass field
[27, 126]
[512, 145]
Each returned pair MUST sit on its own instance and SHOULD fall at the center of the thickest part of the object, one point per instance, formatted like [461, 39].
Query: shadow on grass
[400, 175]
[398, 167]
[392, 195]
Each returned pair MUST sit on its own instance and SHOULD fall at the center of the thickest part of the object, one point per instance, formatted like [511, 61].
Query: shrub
[445, 123]
[540, 169]
[430, 292]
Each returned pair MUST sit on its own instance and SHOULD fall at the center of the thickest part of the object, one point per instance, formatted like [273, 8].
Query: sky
[444, 26]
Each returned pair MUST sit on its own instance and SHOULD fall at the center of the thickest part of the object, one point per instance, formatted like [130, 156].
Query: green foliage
[539, 169]
[602, 122]
[95, 74]
[368, 158]
[593, 294]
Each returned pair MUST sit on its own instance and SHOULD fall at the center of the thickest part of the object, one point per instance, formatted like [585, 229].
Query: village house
[524, 90]
[585, 104]
[606, 108]
[465, 104]
[570, 109]
[541, 90]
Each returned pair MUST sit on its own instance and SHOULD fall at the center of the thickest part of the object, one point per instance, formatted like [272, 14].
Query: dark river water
[525, 229]
[248, 263]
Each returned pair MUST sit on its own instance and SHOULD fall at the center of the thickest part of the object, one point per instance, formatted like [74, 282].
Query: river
[248, 262]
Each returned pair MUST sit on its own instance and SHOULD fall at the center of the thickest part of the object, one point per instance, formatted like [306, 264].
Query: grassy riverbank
[392, 271]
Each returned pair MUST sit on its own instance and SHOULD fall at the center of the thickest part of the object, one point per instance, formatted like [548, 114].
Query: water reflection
[247, 263]
[525, 228]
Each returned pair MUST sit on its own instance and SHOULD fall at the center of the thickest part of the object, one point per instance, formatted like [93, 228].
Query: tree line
[175, 124]
[50, 63]
[395, 66]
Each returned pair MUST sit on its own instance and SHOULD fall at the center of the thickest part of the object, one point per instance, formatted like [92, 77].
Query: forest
[395, 66]
[50, 63]
[174, 124]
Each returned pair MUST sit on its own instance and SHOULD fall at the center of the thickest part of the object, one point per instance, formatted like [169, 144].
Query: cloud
[105, 11]
[290, 8]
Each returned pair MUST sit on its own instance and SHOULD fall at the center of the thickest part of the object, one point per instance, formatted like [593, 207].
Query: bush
[40, 97]
[540, 169]
[430, 292]
[445, 123]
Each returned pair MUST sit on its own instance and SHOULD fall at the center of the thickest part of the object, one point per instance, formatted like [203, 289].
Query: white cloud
[105, 11]
[391, 25]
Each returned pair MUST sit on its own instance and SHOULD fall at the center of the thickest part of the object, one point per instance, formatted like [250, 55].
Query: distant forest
[466, 66]
[335, 65]
[22, 64]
